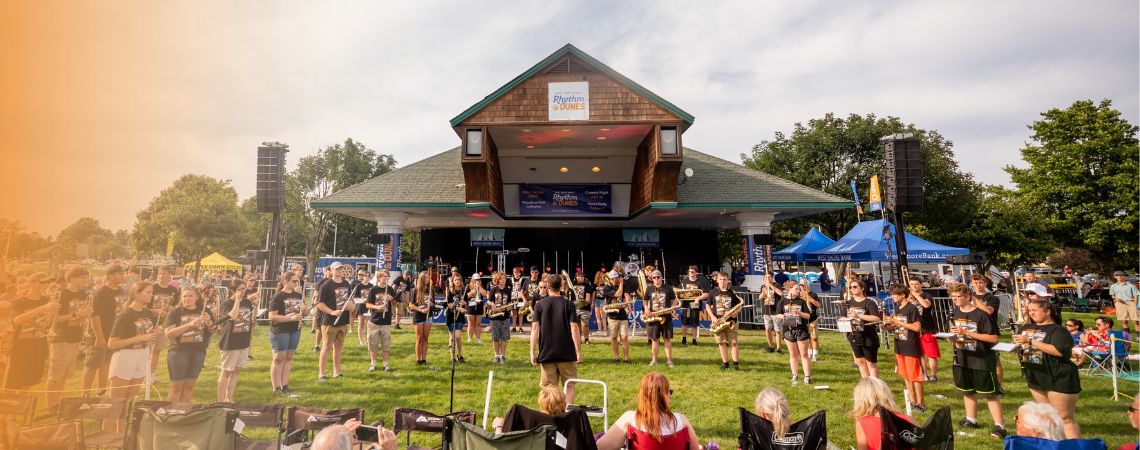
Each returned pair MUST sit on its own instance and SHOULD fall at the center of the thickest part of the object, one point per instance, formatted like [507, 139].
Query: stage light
[530, 146]
[605, 129]
[564, 170]
[565, 130]
[601, 138]
[596, 169]
[526, 131]
[478, 214]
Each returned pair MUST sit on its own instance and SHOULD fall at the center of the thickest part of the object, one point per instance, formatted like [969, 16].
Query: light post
[334, 240]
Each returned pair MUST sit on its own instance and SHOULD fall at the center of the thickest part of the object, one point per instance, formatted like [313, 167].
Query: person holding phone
[346, 436]
[237, 329]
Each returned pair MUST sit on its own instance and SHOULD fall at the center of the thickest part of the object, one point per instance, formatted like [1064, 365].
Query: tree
[85, 231]
[1007, 227]
[1083, 172]
[201, 212]
[829, 152]
[334, 168]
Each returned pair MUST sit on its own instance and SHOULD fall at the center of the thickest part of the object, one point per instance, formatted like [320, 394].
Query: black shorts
[691, 317]
[663, 331]
[981, 382]
[361, 309]
[796, 334]
[867, 352]
[1064, 379]
[97, 358]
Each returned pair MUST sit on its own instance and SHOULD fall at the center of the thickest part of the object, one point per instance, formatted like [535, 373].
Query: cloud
[125, 97]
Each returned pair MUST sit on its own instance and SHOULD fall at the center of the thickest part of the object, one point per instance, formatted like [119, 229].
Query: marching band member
[530, 291]
[188, 329]
[332, 302]
[770, 294]
[285, 313]
[422, 312]
[499, 297]
[1046, 354]
[659, 297]
[165, 298]
[455, 317]
[131, 335]
[381, 302]
[975, 374]
[691, 308]
[864, 337]
[516, 285]
[600, 280]
[930, 351]
[585, 292]
[476, 296]
[360, 292]
[989, 304]
[907, 321]
[795, 312]
[723, 305]
[618, 326]
[68, 332]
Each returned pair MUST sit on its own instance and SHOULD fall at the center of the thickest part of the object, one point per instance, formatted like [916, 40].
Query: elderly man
[343, 437]
[1039, 420]
[1124, 296]
[1134, 417]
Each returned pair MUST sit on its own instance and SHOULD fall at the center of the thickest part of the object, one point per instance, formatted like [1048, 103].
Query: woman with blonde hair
[653, 426]
[771, 405]
[421, 313]
[871, 394]
[476, 297]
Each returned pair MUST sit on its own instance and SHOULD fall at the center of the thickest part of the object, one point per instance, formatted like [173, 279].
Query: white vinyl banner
[569, 101]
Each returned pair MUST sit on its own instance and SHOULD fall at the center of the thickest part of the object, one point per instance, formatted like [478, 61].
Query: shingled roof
[717, 183]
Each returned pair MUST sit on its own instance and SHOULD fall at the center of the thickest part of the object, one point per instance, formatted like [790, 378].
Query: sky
[104, 104]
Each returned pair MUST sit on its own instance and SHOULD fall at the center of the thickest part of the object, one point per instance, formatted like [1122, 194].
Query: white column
[388, 255]
[755, 222]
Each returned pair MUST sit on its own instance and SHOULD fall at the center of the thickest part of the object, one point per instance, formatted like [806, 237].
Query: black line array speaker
[381, 239]
[903, 172]
[271, 177]
[763, 239]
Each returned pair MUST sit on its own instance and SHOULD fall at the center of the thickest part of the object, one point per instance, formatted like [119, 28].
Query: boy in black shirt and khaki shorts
[975, 364]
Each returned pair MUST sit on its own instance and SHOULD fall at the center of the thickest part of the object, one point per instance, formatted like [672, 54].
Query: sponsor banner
[642, 237]
[758, 256]
[487, 237]
[388, 255]
[565, 199]
[876, 198]
[569, 101]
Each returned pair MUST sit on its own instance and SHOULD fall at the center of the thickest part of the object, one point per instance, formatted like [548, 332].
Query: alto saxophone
[658, 316]
[723, 323]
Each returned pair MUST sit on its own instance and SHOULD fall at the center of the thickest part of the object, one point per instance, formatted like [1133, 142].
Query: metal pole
[487, 399]
[900, 242]
[334, 240]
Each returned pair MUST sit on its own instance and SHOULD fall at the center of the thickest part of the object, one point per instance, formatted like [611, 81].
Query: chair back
[1032, 443]
[203, 427]
[756, 433]
[18, 406]
[93, 408]
[66, 435]
[1119, 343]
[465, 436]
[899, 433]
[574, 425]
[314, 419]
[257, 415]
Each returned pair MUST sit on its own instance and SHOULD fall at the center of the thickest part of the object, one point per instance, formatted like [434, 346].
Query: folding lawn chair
[18, 407]
[56, 436]
[302, 422]
[205, 427]
[409, 419]
[573, 425]
[465, 436]
[1103, 363]
[810, 433]
[267, 416]
[592, 411]
[899, 434]
[1032, 443]
[96, 409]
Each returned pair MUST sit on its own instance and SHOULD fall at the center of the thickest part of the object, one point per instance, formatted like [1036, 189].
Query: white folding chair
[593, 411]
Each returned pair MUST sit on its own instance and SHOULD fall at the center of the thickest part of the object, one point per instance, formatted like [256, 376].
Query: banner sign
[569, 101]
[855, 193]
[564, 199]
[388, 255]
[758, 256]
[876, 198]
[641, 237]
[487, 237]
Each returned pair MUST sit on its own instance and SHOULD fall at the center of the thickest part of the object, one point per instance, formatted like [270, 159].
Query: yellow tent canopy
[215, 262]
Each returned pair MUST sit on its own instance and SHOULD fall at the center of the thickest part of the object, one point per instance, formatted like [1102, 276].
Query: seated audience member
[1134, 417]
[653, 425]
[551, 401]
[1040, 420]
[773, 407]
[343, 437]
[871, 394]
[1077, 329]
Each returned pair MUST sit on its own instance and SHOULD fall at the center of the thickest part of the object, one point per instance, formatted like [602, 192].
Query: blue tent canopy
[865, 242]
[812, 241]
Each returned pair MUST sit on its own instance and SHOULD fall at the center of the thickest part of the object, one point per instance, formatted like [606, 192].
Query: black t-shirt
[1047, 372]
[400, 285]
[907, 342]
[475, 301]
[991, 301]
[376, 296]
[455, 300]
[791, 307]
[770, 302]
[555, 340]
[864, 334]
[499, 296]
[929, 325]
[699, 283]
[35, 330]
[130, 323]
[722, 301]
[609, 293]
[969, 352]
[196, 339]
[530, 289]
[659, 298]
[631, 288]
[106, 306]
[582, 289]
[69, 330]
[236, 333]
[164, 297]
[360, 292]
[285, 304]
[516, 286]
[334, 295]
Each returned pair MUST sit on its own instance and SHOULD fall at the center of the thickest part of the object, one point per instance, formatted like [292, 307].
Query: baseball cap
[1118, 274]
[534, 268]
[335, 265]
[613, 274]
[475, 277]
[1038, 289]
[655, 273]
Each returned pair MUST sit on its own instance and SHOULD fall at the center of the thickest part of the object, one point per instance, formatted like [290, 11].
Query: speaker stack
[903, 172]
[271, 177]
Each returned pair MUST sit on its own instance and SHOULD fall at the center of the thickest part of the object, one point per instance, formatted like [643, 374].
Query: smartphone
[365, 433]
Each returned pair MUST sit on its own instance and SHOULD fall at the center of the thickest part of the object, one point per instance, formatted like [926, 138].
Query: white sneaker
[372, 368]
[807, 380]
[652, 363]
[814, 358]
[468, 340]
[795, 380]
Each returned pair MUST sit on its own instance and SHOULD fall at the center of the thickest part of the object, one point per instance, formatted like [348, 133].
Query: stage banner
[569, 101]
[388, 255]
[642, 237]
[876, 196]
[758, 256]
[487, 237]
[565, 199]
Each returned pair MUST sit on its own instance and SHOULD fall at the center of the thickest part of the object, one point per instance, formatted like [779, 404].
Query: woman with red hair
[653, 426]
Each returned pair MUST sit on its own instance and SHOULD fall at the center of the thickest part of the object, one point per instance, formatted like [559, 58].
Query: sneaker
[286, 389]
[780, 351]
[461, 359]
[339, 375]
[770, 349]
[398, 327]
[479, 340]
[694, 342]
[372, 368]
[807, 380]
[813, 358]
[322, 379]
[918, 407]
[684, 341]
[652, 363]
[316, 349]
[617, 361]
[723, 367]
[387, 369]
[795, 380]
[628, 362]
[669, 364]
[735, 366]
[998, 432]
[968, 425]
[468, 340]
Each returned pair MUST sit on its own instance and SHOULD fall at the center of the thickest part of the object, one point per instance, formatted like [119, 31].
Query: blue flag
[858, 204]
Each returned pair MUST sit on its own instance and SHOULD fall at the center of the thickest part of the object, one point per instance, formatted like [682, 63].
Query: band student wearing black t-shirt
[584, 292]
[32, 314]
[864, 336]
[906, 324]
[165, 298]
[133, 332]
[930, 350]
[658, 298]
[476, 299]
[285, 312]
[720, 304]
[236, 319]
[530, 290]
[422, 308]
[554, 343]
[333, 301]
[691, 308]
[796, 310]
[103, 310]
[74, 310]
[975, 334]
[515, 283]
[187, 330]
[617, 317]
[990, 304]
[1046, 352]
[499, 296]
[381, 302]
[455, 316]
[359, 296]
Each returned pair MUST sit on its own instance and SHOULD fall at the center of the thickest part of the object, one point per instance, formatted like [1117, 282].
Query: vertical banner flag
[876, 199]
[858, 204]
[388, 255]
[170, 245]
[758, 256]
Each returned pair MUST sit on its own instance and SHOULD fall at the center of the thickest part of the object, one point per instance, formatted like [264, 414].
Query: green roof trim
[570, 50]
[766, 205]
[404, 205]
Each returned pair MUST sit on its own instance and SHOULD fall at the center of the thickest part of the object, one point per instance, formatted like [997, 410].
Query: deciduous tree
[200, 211]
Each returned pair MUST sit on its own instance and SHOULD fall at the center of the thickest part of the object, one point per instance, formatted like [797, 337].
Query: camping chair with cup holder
[96, 409]
[899, 433]
[409, 420]
[19, 407]
[301, 423]
[810, 433]
[1114, 359]
[574, 425]
[200, 426]
[460, 435]
[258, 416]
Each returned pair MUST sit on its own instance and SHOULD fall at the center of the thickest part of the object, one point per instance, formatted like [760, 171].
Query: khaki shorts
[726, 337]
[379, 337]
[234, 359]
[618, 327]
[63, 358]
[331, 334]
[554, 374]
[1126, 311]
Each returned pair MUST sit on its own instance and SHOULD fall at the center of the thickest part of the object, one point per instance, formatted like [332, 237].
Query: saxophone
[658, 316]
[617, 307]
[723, 323]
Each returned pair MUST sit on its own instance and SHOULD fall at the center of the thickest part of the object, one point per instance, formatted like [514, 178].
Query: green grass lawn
[709, 397]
